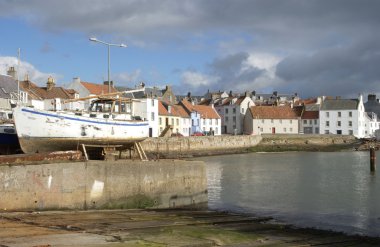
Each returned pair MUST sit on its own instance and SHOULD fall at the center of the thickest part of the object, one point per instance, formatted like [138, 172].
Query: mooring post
[372, 154]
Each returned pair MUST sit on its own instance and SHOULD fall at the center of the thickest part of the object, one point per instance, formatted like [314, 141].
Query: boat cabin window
[111, 106]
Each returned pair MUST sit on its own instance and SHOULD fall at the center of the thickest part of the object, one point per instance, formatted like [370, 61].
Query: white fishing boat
[108, 121]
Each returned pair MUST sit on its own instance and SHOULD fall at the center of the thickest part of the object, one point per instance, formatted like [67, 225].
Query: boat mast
[18, 76]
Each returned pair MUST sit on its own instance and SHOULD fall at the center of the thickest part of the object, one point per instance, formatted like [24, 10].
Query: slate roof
[339, 104]
[7, 86]
[97, 89]
[275, 112]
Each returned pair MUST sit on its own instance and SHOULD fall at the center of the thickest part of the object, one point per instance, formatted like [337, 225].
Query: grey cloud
[232, 74]
[334, 71]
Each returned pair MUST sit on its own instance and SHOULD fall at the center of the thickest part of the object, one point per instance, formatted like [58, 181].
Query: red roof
[275, 112]
[310, 115]
[97, 89]
[207, 111]
[175, 110]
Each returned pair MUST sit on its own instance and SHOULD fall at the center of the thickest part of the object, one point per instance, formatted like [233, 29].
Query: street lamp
[109, 45]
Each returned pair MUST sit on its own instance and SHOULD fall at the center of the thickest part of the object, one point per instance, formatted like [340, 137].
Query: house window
[234, 119]
[226, 119]
[327, 132]
[216, 130]
[177, 121]
[280, 120]
[327, 123]
[226, 110]
[339, 114]
[338, 123]
[350, 132]
[262, 120]
[242, 110]
[271, 120]
[304, 121]
[152, 102]
[291, 129]
[160, 120]
[350, 123]
[152, 116]
[210, 121]
[350, 113]
[327, 114]
[315, 121]
[216, 121]
[172, 121]
[233, 110]
[204, 121]
[161, 129]
[310, 122]
[291, 121]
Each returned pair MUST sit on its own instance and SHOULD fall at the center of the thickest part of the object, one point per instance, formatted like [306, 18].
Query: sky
[312, 47]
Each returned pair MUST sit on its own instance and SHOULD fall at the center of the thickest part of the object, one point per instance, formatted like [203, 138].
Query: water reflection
[324, 190]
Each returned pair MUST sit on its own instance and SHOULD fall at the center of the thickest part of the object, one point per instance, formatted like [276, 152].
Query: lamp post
[93, 39]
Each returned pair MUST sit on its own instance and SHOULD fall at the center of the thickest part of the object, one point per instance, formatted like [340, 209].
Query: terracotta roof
[206, 111]
[239, 100]
[306, 101]
[161, 109]
[39, 93]
[181, 111]
[275, 112]
[310, 115]
[97, 89]
[188, 106]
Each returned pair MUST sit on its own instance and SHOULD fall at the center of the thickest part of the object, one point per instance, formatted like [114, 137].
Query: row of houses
[215, 113]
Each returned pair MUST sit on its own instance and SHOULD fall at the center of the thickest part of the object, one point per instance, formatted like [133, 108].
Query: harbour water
[331, 191]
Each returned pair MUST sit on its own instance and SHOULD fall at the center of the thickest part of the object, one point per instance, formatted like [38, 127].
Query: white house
[343, 117]
[372, 124]
[232, 112]
[272, 120]
[148, 108]
[210, 120]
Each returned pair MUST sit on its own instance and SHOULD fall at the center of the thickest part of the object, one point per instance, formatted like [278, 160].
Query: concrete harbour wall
[99, 184]
[198, 144]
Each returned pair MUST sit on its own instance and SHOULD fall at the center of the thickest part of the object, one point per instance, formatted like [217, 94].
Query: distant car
[197, 134]
[177, 135]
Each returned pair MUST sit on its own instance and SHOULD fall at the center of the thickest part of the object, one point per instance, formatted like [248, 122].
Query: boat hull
[45, 131]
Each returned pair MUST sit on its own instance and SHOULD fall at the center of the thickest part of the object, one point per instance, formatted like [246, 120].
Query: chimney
[50, 83]
[26, 77]
[275, 93]
[371, 97]
[230, 94]
[189, 95]
[76, 79]
[247, 94]
[12, 72]
[107, 83]
[253, 93]
[169, 109]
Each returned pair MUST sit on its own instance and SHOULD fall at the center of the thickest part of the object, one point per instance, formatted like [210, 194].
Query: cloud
[334, 71]
[36, 76]
[196, 80]
[312, 47]
[237, 72]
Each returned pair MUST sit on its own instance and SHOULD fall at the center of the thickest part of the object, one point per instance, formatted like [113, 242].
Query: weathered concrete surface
[41, 157]
[282, 142]
[100, 184]
[121, 228]
[198, 145]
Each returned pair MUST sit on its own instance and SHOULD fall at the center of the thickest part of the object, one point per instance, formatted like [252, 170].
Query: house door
[273, 130]
[150, 132]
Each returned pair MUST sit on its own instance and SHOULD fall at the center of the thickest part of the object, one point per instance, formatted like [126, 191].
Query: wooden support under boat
[108, 151]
